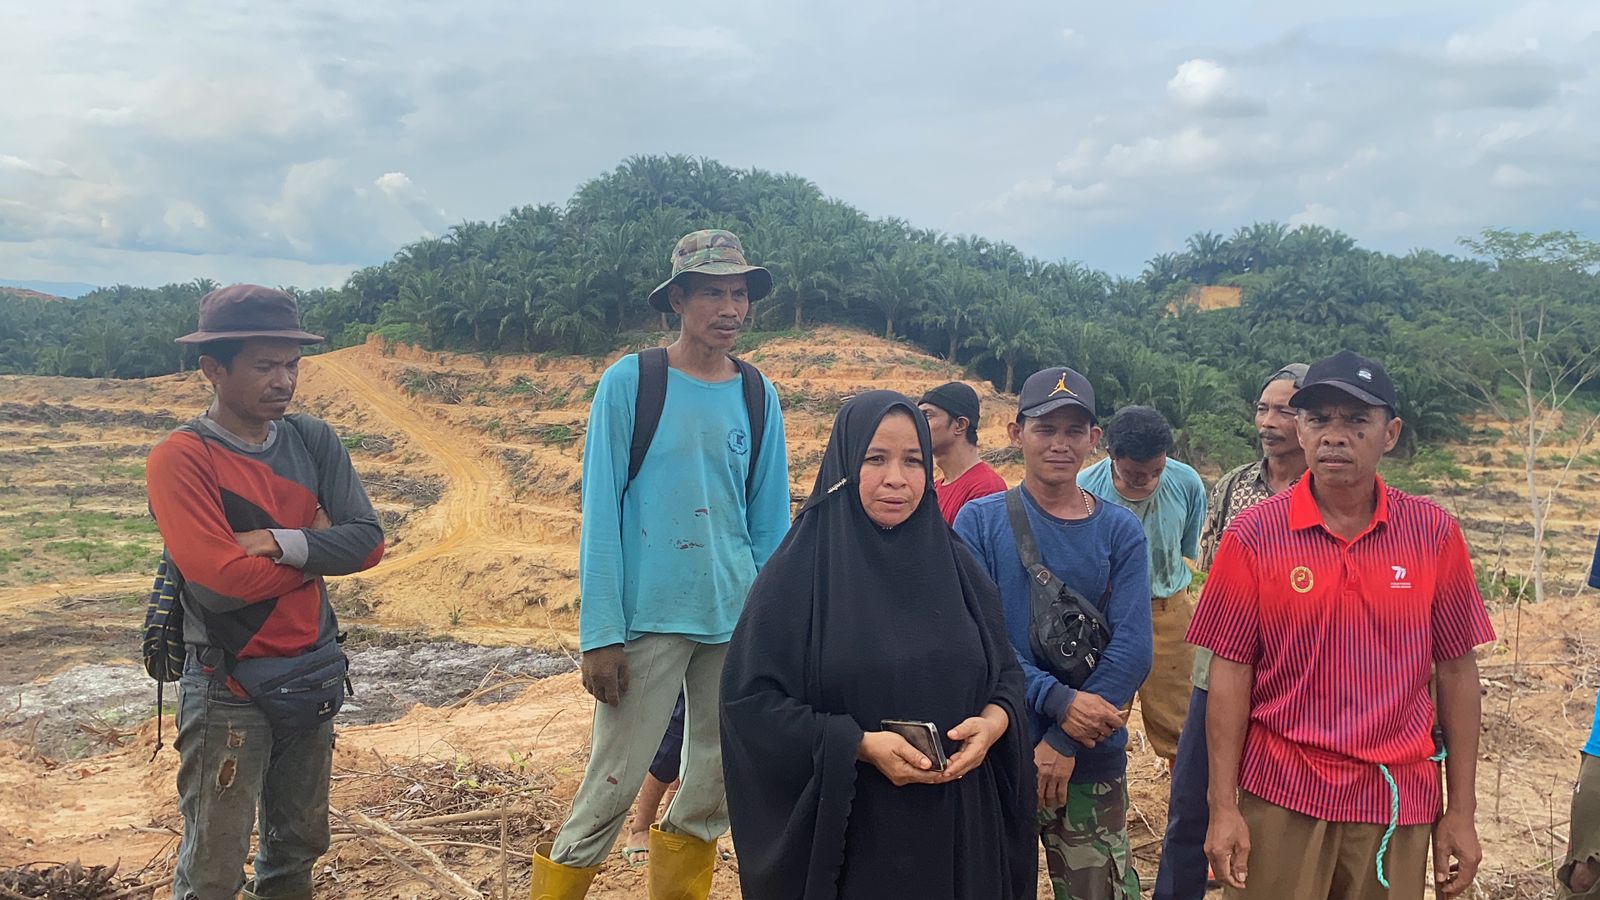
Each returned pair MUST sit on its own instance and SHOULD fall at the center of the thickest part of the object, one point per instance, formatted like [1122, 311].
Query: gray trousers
[230, 765]
[625, 740]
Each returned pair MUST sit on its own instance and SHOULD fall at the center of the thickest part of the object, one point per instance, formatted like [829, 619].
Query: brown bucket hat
[240, 312]
[711, 252]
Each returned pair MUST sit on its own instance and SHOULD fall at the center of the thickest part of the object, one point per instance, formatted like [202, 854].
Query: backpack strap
[647, 406]
[1046, 585]
[651, 398]
[755, 406]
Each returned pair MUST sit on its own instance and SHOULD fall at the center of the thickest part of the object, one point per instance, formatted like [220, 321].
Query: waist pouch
[1066, 632]
[296, 693]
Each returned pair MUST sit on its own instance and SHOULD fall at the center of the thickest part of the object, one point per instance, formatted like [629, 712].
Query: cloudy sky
[142, 141]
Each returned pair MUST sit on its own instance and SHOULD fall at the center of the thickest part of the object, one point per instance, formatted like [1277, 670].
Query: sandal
[635, 857]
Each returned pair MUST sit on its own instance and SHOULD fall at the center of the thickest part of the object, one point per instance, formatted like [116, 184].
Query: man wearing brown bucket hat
[256, 506]
[685, 496]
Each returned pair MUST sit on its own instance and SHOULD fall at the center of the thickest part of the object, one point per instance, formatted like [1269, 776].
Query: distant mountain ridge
[70, 290]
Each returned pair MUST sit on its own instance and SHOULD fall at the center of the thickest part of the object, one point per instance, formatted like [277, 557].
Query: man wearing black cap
[1329, 607]
[1098, 551]
[952, 411]
[1182, 875]
[255, 506]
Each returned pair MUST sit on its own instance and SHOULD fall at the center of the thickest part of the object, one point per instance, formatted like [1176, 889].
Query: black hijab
[841, 587]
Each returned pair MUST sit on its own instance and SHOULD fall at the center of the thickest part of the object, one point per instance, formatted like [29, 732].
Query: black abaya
[849, 624]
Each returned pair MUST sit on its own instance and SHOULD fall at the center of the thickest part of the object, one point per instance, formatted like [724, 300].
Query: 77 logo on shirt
[1399, 583]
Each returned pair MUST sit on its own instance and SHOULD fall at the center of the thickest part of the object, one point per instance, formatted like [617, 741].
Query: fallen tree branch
[369, 840]
[455, 880]
[152, 887]
[430, 842]
[481, 815]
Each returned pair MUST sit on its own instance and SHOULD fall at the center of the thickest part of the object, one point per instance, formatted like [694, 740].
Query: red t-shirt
[1343, 638]
[978, 481]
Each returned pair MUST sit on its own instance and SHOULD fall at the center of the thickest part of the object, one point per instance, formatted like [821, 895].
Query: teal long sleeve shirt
[1171, 517]
[676, 551]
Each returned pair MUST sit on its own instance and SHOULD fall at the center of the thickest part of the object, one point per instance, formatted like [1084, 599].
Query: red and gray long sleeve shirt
[205, 484]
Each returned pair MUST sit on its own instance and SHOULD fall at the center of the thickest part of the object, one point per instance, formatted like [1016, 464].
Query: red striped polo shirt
[1343, 637]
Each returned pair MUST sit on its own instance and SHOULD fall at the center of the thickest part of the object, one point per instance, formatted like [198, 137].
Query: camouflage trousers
[1086, 844]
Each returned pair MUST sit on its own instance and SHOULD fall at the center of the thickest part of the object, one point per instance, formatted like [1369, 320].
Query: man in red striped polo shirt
[1329, 608]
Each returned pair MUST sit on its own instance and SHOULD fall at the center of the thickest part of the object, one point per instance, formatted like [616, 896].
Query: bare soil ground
[474, 464]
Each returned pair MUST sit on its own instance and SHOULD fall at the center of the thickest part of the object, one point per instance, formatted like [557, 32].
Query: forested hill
[573, 278]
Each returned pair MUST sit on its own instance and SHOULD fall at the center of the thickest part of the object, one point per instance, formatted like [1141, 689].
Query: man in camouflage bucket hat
[666, 555]
[710, 252]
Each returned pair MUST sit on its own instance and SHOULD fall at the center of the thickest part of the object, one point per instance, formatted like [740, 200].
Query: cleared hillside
[474, 463]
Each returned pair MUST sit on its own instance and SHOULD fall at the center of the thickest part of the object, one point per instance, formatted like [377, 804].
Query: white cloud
[1189, 151]
[703, 41]
[1206, 86]
[1088, 195]
[1199, 82]
[400, 189]
[394, 184]
[1316, 214]
[1512, 177]
[50, 168]
[137, 144]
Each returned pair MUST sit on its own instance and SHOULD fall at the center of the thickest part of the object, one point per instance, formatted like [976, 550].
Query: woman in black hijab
[872, 609]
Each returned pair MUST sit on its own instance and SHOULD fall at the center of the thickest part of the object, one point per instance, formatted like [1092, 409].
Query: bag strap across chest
[1046, 587]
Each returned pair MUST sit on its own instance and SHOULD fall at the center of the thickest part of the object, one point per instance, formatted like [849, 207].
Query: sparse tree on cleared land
[1543, 350]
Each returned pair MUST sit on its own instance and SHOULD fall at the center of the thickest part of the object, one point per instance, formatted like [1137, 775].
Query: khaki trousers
[627, 736]
[1583, 846]
[1164, 696]
[1295, 856]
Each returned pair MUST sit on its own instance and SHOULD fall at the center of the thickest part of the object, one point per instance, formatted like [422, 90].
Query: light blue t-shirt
[677, 552]
[1172, 517]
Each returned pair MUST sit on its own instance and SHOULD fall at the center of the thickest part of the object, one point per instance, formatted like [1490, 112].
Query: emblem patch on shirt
[1400, 583]
[1300, 579]
[738, 441]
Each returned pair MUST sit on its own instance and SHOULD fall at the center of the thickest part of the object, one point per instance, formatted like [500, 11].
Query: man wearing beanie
[952, 411]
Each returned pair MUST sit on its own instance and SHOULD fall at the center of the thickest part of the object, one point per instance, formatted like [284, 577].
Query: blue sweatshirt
[1088, 555]
[676, 553]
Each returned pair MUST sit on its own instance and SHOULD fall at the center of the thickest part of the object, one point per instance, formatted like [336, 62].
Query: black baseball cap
[1050, 389]
[1361, 378]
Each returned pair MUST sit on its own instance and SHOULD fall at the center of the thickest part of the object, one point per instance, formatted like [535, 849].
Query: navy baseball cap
[1345, 371]
[1050, 389]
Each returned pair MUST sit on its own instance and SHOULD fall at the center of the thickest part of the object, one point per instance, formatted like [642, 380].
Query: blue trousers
[668, 763]
[230, 766]
[1182, 875]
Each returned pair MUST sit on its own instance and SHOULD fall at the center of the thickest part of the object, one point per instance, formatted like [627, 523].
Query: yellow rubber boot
[553, 881]
[680, 866]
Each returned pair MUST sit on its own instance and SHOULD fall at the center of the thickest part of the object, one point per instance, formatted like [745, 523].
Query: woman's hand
[977, 735]
[899, 762]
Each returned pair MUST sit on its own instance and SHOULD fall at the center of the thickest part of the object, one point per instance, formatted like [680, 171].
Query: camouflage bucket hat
[711, 252]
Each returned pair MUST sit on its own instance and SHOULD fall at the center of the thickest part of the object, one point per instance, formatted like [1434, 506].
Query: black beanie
[955, 398]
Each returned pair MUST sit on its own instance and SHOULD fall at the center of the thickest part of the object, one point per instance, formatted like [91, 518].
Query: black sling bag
[1066, 632]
